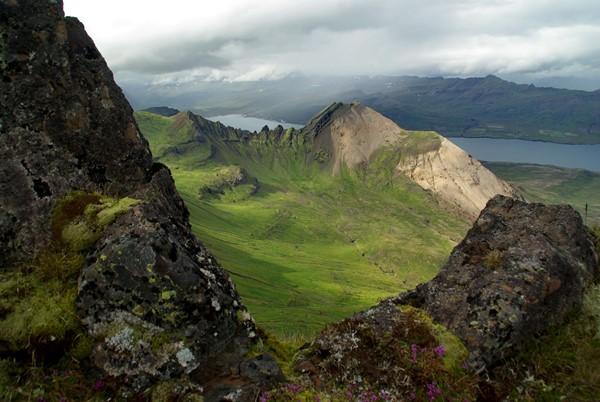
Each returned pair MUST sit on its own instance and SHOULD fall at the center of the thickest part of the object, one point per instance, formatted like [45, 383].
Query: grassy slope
[555, 185]
[309, 249]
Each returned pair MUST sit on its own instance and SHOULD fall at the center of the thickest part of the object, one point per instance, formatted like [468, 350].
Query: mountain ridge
[356, 137]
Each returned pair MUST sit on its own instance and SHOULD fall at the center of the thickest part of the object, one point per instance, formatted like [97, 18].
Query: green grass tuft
[563, 363]
[79, 219]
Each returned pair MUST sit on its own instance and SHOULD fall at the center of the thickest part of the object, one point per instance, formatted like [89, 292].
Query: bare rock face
[521, 268]
[155, 302]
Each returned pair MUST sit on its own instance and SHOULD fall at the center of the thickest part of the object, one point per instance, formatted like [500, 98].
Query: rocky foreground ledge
[521, 269]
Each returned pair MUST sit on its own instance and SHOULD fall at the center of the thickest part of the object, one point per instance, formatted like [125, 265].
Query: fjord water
[542, 153]
[485, 149]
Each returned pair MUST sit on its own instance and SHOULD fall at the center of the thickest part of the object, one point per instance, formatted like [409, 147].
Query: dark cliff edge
[94, 235]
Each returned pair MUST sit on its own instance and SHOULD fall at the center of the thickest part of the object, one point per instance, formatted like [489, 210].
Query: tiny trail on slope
[362, 254]
[263, 282]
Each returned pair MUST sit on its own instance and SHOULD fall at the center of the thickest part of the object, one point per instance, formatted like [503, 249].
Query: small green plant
[80, 218]
[493, 260]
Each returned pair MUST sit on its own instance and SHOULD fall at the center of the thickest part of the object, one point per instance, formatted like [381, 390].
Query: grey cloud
[434, 37]
[172, 61]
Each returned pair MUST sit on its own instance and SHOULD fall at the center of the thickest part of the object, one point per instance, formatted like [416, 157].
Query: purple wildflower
[432, 391]
[414, 349]
[440, 351]
[293, 388]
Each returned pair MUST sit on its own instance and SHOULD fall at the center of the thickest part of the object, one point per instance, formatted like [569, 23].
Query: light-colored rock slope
[352, 134]
[455, 176]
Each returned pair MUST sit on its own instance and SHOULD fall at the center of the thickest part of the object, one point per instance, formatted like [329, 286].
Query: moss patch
[284, 352]
[80, 218]
[455, 353]
[37, 302]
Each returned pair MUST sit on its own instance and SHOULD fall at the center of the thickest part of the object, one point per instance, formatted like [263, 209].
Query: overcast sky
[179, 40]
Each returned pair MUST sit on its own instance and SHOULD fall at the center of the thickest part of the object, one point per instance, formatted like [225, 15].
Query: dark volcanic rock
[65, 124]
[521, 268]
[156, 303]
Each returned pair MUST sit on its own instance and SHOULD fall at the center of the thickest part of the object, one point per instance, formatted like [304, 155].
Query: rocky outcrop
[356, 136]
[521, 268]
[65, 124]
[76, 174]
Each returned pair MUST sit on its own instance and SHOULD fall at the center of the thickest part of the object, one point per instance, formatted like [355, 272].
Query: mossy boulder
[389, 350]
[520, 269]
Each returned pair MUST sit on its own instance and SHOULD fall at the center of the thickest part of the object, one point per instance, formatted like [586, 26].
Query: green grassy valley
[306, 248]
[555, 185]
[303, 247]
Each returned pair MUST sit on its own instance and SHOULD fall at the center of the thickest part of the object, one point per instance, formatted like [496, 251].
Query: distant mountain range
[454, 107]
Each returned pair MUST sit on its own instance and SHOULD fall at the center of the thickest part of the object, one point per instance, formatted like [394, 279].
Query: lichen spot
[185, 357]
[106, 99]
[168, 294]
[131, 132]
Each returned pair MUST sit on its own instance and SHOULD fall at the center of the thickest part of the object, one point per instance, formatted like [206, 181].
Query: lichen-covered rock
[521, 268]
[153, 301]
[396, 351]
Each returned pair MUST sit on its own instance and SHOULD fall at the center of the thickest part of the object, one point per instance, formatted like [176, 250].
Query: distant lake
[543, 153]
[484, 149]
[250, 123]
